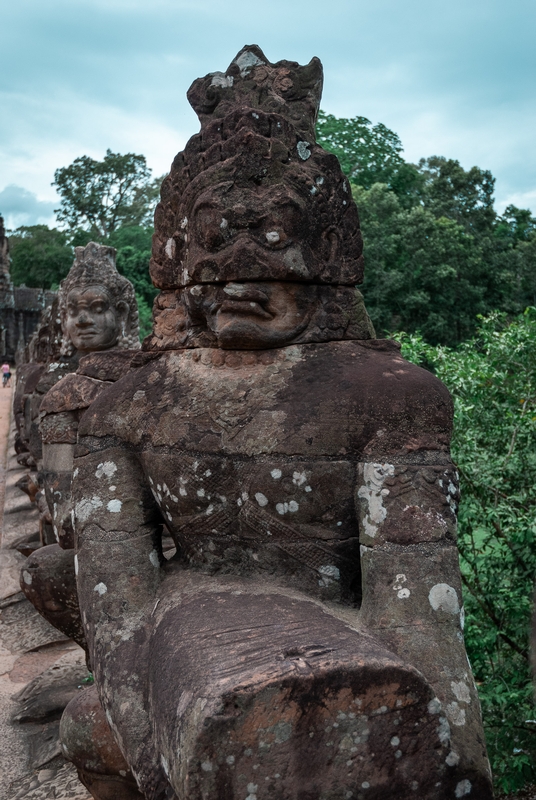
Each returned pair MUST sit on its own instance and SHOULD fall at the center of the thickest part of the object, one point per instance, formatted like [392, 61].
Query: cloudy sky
[80, 76]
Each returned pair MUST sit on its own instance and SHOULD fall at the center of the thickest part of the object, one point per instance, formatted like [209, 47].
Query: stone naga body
[306, 639]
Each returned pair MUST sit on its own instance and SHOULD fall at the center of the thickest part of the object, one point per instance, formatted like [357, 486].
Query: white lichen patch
[86, 507]
[206, 766]
[100, 588]
[154, 559]
[402, 592]
[276, 474]
[283, 508]
[373, 493]
[272, 237]
[114, 506]
[443, 597]
[27, 578]
[328, 574]
[434, 706]
[261, 499]
[443, 730]
[303, 150]
[170, 248]
[246, 61]
[461, 691]
[106, 469]
[219, 79]
[463, 788]
[455, 714]
[452, 759]
[299, 478]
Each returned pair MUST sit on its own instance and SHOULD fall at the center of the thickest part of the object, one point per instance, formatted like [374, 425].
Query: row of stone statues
[254, 515]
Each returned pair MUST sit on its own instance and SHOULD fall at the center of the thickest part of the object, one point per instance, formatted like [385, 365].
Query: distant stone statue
[306, 640]
[99, 321]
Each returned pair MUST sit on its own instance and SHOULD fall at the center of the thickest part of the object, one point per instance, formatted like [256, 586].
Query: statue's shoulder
[390, 404]
[72, 393]
[108, 365]
[53, 373]
[123, 411]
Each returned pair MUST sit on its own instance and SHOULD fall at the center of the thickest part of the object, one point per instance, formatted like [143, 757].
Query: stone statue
[99, 321]
[44, 348]
[306, 639]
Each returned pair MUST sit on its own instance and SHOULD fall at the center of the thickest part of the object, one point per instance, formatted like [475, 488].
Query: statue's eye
[72, 310]
[98, 308]
[211, 228]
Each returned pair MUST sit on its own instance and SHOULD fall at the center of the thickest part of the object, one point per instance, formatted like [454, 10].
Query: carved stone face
[254, 315]
[237, 233]
[92, 321]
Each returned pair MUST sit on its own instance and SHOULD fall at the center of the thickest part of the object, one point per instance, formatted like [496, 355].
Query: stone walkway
[40, 670]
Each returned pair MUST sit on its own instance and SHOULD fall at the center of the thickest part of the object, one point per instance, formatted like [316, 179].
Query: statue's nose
[244, 217]
[83, 318]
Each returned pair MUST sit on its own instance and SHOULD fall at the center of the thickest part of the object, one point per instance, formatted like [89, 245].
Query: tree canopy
[437, 254]
[101, 196]
[40, 256]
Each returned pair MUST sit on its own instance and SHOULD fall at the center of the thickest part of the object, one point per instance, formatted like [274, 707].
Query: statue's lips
[86, 333]
[244, 307]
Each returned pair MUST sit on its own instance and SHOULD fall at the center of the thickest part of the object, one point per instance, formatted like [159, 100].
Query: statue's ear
[122, 310]
[331, 245]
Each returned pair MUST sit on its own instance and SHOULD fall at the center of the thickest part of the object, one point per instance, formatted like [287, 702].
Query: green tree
[465, 196]
[423, 273]
[493, 381]
[40, 256]
[100, 196]
[367, 153]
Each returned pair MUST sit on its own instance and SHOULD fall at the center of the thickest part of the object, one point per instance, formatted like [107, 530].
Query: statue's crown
[251, 81]
[252, 196]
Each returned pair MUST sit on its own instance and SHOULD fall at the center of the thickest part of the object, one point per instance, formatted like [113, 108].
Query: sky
[80, 76]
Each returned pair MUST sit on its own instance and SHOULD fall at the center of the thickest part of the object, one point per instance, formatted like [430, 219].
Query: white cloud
[18, 206]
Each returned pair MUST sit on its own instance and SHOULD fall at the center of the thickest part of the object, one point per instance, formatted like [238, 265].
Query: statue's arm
[58, 432]
[412, 594]
[118, 533]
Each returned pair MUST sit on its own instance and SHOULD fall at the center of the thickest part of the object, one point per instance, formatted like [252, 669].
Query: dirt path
[5, 423]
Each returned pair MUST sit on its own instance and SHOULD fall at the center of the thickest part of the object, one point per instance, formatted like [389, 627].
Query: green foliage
[435, 266]
[367, 153]
[40, 257]
[493, 381]
[463, 196]
[423, 272]
[100, 196]
[437, 254]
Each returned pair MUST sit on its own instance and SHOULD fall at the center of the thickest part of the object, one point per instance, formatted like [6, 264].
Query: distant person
[6, 375]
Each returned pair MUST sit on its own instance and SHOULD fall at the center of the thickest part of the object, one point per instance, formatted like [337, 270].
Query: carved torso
[252, 457]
